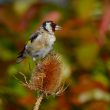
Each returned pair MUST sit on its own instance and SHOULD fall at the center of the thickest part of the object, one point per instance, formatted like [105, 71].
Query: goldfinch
[40, 42]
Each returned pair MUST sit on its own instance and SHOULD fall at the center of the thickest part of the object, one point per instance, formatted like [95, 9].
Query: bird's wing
[38, 44]
[34, 36]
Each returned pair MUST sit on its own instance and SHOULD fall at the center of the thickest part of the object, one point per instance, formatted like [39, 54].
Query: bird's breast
[51, 39]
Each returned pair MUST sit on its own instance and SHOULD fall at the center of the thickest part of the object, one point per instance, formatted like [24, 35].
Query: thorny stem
[38, 102]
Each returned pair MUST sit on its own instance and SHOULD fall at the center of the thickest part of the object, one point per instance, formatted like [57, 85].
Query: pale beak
[57, 28]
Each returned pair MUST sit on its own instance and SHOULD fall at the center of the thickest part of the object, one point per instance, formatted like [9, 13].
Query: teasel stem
[38, 102]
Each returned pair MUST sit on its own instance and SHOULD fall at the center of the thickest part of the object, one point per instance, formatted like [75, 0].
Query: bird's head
[50, 26]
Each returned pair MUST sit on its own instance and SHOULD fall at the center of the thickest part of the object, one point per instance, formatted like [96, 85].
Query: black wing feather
[33, 37]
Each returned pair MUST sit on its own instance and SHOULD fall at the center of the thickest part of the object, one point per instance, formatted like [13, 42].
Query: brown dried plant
[46, 77]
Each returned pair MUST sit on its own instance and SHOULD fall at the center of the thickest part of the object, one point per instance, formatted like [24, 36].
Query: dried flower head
[46, 76]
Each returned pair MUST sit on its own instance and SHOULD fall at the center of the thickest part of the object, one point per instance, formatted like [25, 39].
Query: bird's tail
[21, 56]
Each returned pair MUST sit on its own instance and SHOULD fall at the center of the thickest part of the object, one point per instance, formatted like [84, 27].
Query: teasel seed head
[46, 76]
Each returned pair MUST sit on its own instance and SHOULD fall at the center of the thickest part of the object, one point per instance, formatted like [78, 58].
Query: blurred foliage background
[84, 44]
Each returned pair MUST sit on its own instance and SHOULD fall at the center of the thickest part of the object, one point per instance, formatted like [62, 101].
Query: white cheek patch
[48, 27]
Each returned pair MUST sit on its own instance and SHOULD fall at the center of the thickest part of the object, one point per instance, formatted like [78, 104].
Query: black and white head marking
[49, 26]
